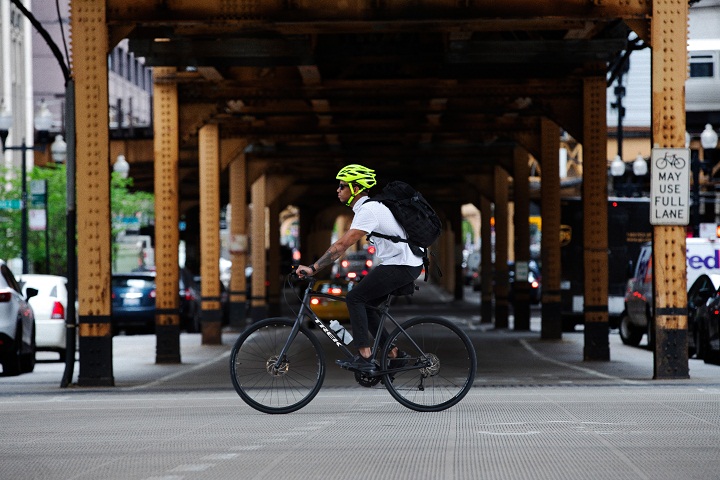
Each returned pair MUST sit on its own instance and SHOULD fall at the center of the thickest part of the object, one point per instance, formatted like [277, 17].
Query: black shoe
[358, 363]
[400, 360]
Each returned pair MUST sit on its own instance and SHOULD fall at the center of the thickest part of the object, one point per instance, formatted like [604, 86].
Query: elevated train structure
[260, 103]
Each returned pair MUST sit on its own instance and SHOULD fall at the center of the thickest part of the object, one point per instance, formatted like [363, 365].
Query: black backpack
[415, 215]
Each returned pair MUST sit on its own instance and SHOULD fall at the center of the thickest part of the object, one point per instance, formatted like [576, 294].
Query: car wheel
[11, 357]
[694, 349]
[629, 334]
[650, 334]
[709, 355]
[27, 359]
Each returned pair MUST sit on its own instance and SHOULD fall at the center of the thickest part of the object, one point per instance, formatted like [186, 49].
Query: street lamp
[43, 120]
[121, 166]
[708, 138]
[640, 166]
[617, 167]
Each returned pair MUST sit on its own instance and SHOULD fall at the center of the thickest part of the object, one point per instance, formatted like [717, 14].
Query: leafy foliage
[123, 204]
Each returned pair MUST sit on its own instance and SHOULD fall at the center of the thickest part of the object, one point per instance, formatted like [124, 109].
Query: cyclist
[398, 267]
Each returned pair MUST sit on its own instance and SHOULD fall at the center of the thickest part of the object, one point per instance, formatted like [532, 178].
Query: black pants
[373, 290]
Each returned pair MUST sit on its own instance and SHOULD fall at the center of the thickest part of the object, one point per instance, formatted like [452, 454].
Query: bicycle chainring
[365, 380]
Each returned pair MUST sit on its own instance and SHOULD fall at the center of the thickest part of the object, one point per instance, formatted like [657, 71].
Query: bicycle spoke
[273, 387]
[445, 364]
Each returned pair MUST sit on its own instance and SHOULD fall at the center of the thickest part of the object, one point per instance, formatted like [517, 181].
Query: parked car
[534, 281]
[327, 309]
[636, 319]
[133, 302]
[355, 266]
[17, 325]
[50, 307]
[702, 304]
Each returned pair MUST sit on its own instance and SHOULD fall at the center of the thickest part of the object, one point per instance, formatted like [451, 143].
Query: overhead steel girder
[300, 50]
[194, 88]
[179, 11]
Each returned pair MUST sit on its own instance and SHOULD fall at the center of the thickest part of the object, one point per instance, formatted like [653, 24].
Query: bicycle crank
[365, 380]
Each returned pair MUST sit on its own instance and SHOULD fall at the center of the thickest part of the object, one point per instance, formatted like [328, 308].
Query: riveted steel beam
[89, 68]
[209, 146]
[337, 10]
[669, 71]
[551, 325]
[595, 239]
[500, 213]
[167, 237]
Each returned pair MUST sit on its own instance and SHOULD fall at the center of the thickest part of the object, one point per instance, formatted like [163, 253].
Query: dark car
[704, 318]
[133, 302]
[355, 266]
[534, 281]
[190, 301]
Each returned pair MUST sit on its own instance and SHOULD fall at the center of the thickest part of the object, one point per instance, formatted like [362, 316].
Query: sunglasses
[343, 186]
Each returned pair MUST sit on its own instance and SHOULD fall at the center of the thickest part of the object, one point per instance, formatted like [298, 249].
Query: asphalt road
[536, 411]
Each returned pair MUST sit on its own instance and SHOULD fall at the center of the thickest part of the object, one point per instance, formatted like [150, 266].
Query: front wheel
[439, 368]
[271, 386]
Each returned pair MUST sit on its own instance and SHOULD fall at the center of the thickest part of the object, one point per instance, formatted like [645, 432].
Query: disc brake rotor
[277, 371]
[434, 367]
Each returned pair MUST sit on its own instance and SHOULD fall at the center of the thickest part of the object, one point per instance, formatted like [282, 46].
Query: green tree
[124, 203]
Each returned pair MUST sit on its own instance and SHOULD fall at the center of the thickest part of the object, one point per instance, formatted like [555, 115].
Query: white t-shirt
[376, 217]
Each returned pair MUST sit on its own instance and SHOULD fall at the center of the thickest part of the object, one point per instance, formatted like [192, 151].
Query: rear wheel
[439, 369]
[11, 357]
[629, 334]
[271, 386]
[27, 357]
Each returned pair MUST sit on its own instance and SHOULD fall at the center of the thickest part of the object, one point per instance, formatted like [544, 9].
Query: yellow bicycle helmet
[357, 174]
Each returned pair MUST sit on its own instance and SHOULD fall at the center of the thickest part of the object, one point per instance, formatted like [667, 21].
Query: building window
[701, 66]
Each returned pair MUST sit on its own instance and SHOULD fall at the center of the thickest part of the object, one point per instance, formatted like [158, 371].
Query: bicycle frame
[305, 310]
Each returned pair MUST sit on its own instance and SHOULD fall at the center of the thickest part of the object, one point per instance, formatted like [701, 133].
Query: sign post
[670, 186]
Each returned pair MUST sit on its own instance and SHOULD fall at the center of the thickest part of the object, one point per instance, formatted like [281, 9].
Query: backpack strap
[423, 251]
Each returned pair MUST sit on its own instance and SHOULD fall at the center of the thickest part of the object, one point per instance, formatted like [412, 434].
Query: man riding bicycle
[398, 266]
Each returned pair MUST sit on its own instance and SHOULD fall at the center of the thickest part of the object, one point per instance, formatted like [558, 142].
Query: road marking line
[589, 371]
[179, 373]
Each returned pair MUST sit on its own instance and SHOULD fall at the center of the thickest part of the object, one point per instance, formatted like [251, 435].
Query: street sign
[670, 186]
[10, 204]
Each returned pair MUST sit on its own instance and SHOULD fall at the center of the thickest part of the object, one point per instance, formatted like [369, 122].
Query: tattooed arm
[335, 251]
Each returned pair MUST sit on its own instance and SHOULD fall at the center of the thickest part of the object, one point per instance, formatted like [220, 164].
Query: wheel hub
[277, 371]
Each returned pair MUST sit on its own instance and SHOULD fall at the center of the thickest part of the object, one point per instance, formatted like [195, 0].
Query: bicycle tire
[438, 386]
[282, 391]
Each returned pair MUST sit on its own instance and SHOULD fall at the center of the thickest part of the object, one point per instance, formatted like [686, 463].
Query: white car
[17, 326]
[50, 307]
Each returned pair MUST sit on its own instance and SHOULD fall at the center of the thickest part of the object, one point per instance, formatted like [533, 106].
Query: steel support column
[595, 241]
[521, 222]
[669, 71]
[486, 266]
[274, 284]
[238, 242]
[167, 235]
[90, 47]
[502, 283]
[209, 151]
[258, 248]
[551, 324]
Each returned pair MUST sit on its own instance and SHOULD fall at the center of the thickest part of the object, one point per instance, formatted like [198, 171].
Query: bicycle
[278, 365]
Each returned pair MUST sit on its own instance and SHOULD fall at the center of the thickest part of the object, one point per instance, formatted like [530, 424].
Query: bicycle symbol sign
[670, 186]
